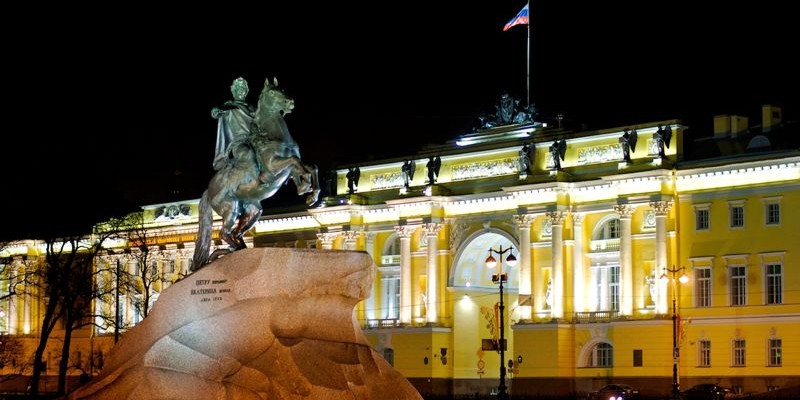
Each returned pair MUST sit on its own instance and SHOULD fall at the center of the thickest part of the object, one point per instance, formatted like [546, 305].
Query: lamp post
[675, 349]
[501, 277]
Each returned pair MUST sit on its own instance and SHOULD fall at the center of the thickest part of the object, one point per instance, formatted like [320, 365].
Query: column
[579, 293]
[661, 209]
[12, 300]
[594, 293]
[370, 301]
[557, 246]
[26, 313]
[523, 223]
[350, 239]
[432, 234]
[404, 232]
[327, 240]
[625, 259]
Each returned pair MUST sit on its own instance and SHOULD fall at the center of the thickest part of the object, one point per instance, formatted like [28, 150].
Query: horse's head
[273, 100]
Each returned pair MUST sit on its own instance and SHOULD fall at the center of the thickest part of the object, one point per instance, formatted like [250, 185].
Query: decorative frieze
[483, 169]
[599, 154]
[386, 181]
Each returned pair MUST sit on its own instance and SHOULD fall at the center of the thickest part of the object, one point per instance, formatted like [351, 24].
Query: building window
[390, 297]
[774, 352]
[606, 283]
[611, 230]
[738, 353]
[736, 210]
[704, 353]
[135, 267]
[138, 304]
[702, 287]
[738, 285]
[602, 355]
[122, 310]
[772, 213]
[638, 358]
[390, 279]
[170, 267]
[613, 287]
[773, 280]
[701, 222]
[388, 355]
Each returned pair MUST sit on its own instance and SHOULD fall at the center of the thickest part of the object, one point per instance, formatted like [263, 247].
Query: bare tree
[142, 280]
[12, 273]
[13, 357]
[66, 281]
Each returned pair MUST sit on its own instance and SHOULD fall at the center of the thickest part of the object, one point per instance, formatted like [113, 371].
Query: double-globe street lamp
[675, 349]
[500, 277]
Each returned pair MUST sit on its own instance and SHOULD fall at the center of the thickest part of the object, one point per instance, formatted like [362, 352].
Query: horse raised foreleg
[304, 176]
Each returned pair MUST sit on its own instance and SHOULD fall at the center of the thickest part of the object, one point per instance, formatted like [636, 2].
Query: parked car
[614, 391]
[707, 391]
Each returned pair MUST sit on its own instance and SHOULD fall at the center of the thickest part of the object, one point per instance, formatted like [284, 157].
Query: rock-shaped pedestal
[263, 323]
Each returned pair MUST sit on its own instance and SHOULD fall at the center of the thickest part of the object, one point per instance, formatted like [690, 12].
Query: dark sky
[107, 113]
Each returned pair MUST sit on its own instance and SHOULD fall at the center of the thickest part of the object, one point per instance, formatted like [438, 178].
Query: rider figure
[233, 130]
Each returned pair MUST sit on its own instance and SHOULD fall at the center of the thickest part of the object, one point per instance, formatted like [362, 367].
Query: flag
[520, 19]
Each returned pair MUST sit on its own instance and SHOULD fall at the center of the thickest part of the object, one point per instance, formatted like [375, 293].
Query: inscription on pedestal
[210, 289]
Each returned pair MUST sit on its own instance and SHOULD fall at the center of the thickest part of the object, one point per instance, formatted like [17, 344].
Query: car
[707, 391]
[614, 391]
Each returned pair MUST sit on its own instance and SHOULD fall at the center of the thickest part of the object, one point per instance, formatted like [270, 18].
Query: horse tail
[204, 223]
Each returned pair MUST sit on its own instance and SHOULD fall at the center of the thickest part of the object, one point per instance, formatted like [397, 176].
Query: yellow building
[599, 243]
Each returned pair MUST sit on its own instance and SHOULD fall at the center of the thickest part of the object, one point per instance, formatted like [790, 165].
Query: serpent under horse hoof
[236, 191]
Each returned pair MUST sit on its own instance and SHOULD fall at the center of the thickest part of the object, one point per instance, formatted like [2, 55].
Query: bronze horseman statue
[255, 155]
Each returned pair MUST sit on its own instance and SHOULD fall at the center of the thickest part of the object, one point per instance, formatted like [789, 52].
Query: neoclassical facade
[599, 243]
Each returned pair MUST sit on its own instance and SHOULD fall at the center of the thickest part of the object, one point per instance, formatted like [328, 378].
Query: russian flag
[520, 19]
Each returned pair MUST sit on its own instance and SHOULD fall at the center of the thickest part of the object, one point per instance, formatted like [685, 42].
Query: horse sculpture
[255, 172]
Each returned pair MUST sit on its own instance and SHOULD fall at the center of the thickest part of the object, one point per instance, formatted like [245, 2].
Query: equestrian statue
[255, 156]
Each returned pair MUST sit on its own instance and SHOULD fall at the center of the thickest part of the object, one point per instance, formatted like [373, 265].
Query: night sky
[105, 114]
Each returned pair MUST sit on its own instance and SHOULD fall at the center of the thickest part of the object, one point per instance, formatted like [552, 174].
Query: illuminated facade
[586, 303]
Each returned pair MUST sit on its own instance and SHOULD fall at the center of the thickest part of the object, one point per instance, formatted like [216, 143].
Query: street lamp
[501, 277]
[675, 349]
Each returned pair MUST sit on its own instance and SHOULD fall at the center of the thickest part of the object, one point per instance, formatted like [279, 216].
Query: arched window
[602, 355]
[605, 268]
[609, 230]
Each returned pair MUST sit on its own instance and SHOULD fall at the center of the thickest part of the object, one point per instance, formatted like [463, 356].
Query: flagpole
[528, 59]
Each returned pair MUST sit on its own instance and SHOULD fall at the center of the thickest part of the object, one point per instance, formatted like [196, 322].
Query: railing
[382, 323]
[395, 323]
[599, 246]
[390, 260]
[596, 316]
